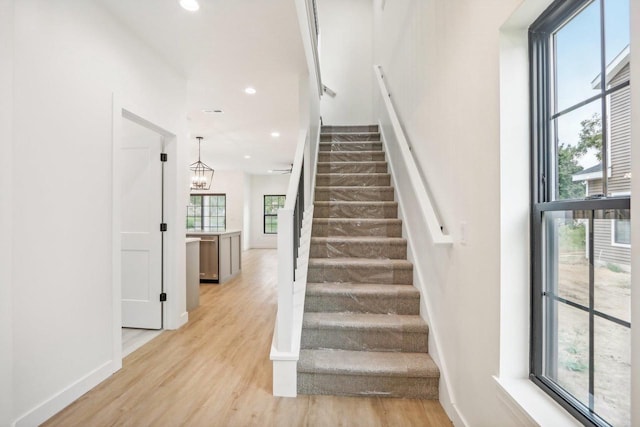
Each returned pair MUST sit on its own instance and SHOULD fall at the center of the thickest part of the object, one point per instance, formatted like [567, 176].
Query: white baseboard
[65, 397]
[183, 319]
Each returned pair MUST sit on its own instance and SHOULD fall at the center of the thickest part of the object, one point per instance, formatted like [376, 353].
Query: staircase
[362, 334]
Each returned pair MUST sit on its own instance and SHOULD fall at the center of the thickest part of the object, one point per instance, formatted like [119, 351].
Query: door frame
[174, 313]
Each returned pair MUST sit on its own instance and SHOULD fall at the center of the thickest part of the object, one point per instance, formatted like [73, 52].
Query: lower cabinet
[220, 255]
[230, 256]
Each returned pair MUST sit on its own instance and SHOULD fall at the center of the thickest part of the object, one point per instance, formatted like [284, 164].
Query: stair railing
[310, 32]
[294, 240]
[436, 229]
[289, 232]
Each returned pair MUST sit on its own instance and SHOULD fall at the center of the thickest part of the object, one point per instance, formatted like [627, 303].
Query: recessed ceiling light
[247, 156]
[270, 171]
[275, 134]
[190, 5]
[249, 90]
[207, 111]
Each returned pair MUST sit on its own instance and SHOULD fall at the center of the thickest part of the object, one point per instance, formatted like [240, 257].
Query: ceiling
[221, 49]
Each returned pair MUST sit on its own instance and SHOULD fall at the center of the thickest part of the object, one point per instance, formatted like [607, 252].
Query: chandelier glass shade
[201, 174]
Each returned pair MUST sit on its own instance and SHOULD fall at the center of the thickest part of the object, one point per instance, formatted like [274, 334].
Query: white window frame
[613, 225]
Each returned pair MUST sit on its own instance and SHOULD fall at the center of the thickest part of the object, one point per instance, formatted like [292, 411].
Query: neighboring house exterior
[612, 237]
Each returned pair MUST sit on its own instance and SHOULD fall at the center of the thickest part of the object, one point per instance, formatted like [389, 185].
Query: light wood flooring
[133, 339]
[215, 371]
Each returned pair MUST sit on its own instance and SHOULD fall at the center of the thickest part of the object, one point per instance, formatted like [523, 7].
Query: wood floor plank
[215, 371]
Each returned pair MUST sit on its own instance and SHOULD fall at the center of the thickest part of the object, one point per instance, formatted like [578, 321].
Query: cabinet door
[235, 253]
[225, 258]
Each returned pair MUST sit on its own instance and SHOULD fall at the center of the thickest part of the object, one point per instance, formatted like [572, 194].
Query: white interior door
[141, 238]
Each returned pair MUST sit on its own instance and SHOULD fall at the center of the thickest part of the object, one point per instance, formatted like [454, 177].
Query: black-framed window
[271, 205]
[207, 212]
[580, 121]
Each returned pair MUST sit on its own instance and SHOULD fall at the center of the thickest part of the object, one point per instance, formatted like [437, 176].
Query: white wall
[346, 35]
[70, 57]
[231, 183]
[6, 199]
[442, 64]
[262, 185]
[440, 60]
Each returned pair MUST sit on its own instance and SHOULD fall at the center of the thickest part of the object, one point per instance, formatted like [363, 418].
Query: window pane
[577, 57]
[572, 259]
[567, 337]
[619, 137]
[616, 21]
[612, 269]
[612, 376]
[578, 138]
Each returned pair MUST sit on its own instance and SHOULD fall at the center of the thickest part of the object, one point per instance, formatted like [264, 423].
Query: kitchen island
[220, 254]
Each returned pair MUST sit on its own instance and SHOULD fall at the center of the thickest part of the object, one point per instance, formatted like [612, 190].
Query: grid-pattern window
[207, 212]
[580, 346]
[271, 205]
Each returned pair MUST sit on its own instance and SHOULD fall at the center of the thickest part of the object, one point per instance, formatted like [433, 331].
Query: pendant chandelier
[201, 174]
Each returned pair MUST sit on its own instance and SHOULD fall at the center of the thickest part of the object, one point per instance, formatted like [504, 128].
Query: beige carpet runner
[362, 331]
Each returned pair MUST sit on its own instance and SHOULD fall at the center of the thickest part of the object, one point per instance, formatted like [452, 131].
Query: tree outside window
[271, 205]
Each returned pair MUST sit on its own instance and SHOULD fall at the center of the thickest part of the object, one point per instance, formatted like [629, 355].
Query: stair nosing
[429, 368]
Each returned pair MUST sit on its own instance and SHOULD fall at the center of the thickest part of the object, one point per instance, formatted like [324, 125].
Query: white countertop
[192, 239]
[211, 233]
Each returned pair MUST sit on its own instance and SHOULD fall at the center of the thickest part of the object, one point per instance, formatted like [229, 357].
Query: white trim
[588, 176]
[285, 363]
[613, 224]
[614, 67]
[58, 401]
[530, 405]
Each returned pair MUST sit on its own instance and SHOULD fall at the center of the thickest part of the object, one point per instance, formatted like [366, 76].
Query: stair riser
[375, 304]
[349, 137]
[367, 386]
[344, 129]
[338, 167]
[356, 274]
[362, 180]
[351, 156]
[358, 250]
[356, 228]
[350, 146]
[364, 340]
[348, 211]
[363, 194]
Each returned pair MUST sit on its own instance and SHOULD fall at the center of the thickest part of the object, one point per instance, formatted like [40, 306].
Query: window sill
[531, 405]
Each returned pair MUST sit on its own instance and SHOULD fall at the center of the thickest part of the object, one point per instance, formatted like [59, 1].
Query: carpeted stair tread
[383, 227]
[360, 239]
[350, 146]
[370, 363]
[361, 263]
[352, 167]
[345, 288]
[355, 193]
[358, 247]
[355, 209]
[351, 156]
[362, 298]
[349, 136]
[365, 322]
[348, 128]
[339, 180]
